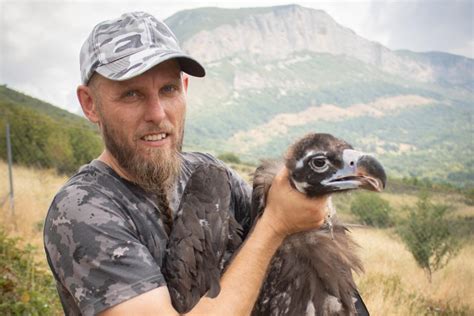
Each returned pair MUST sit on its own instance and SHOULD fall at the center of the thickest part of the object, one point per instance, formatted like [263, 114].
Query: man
[107, 228]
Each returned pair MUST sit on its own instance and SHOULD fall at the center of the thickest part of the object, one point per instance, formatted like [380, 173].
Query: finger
[283, 174]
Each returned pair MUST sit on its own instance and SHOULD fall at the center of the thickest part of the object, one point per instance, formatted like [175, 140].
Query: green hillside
[10, 96]
[43, 135]
[440, 133]
[413, 110]
[432, 140]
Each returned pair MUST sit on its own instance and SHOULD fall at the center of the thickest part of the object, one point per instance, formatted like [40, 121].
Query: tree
[428, 235]
[43, 142]
[372, 210]
[86, 145]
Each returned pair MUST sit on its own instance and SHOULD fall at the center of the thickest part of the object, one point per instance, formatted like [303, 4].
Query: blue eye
[169, 89]
[130, 94]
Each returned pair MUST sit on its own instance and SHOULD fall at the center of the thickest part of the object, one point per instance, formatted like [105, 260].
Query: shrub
[24, 289]
[40, 141]
[229, 157]
[428, 235]
[372, 210]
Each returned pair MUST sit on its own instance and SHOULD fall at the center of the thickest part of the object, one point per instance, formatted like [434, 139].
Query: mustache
[163, 127]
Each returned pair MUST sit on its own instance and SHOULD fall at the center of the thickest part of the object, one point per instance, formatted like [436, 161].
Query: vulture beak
[359, 170]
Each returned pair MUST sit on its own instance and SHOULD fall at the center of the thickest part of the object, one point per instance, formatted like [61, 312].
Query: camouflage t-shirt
[105, 240]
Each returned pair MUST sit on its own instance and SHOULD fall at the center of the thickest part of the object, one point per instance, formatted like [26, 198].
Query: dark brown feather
[202, 240]
[262, 180]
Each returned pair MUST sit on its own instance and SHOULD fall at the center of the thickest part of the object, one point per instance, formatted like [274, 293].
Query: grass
[392, 285]
[34, 190]
[24, 289]
[455, 200]
[27, 286]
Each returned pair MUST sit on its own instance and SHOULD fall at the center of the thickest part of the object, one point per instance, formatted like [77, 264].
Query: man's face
[142, 122]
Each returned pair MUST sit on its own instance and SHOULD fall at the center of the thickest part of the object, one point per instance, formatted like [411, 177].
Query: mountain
[274, 33]
[276, 73]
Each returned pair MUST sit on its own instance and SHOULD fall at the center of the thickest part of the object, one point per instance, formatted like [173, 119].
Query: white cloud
[40, 40]
[40, 43]
[425, 25]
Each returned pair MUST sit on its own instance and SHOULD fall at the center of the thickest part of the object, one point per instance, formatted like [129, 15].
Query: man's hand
[289, 211]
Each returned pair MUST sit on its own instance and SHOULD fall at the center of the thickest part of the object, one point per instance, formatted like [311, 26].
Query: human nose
[155, 112]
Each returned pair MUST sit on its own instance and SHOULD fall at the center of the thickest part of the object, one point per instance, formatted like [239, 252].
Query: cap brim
[138, 63]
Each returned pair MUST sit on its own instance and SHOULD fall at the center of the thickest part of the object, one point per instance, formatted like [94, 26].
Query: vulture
[311, 272]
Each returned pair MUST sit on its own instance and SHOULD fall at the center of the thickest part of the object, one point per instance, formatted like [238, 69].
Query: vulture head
[321, 164]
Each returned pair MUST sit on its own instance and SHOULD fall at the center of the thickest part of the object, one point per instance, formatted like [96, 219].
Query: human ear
[185, 79]
[88, 103]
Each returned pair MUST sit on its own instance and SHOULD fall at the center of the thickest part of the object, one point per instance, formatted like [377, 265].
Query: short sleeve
[95, 252]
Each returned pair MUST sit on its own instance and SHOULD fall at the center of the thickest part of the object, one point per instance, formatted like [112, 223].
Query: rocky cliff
[276, 73]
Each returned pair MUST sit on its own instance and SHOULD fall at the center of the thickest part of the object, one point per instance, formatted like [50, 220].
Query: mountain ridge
[281, 63]
[305, 28]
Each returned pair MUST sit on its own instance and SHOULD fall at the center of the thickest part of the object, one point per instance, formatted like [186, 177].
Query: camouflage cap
[126, 47]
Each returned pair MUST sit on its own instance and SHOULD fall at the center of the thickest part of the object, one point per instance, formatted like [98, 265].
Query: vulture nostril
[351, 163]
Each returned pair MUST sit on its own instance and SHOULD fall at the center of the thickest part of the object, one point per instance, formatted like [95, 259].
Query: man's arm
[241, 282]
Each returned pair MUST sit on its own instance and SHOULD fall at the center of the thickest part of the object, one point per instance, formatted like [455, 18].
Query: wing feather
[203, 237]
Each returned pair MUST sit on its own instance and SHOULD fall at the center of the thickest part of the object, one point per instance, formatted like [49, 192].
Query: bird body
[311, 272]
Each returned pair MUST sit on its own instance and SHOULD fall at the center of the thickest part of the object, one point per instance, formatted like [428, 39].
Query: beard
[153, 169]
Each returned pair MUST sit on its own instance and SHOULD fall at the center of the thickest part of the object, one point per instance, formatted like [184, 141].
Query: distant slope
[43, 135]
[448, 69]
[277, 73]
[16, 98]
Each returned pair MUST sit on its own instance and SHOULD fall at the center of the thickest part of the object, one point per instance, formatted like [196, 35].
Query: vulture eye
[319, 164]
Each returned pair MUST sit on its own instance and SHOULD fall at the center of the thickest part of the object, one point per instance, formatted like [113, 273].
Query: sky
[40, 40]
